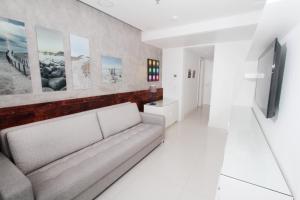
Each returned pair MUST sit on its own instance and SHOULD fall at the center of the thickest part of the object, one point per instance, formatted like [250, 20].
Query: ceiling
[205, 52]
[147, 15]
[202, 38]
[273, 26]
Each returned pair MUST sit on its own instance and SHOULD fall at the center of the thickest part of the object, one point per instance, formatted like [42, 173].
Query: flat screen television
[268, 87]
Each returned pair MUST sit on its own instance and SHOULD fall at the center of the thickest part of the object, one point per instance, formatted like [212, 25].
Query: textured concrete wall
[107, 36]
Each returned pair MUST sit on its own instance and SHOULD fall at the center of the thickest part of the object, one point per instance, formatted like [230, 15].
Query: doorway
[206, 63]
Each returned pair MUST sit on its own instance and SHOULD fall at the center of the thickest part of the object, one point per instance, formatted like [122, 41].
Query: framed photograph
[189, 73]
[111, 69]
[14, 66]
[52, 60]
[80, 60]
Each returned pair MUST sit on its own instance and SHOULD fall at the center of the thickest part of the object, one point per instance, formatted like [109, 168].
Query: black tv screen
[271, 65]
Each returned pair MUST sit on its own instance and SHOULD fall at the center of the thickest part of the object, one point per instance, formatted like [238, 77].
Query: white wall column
[228, 85]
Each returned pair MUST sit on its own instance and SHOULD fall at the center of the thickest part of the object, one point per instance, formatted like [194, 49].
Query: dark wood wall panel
[19, 115]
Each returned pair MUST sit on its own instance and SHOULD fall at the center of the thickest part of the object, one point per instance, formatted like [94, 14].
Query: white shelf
[162, 103]
[248, 156]
[250, 76]
[232, 189]
[165, 107]
[278, 18]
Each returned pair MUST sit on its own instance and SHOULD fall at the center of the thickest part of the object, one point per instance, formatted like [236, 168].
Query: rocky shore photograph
[14, 66]
[80, 58]
[51, 59]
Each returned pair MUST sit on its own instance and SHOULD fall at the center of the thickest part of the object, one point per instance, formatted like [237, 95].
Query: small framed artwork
[15, 75]
[80, 60]
[194, 73]
[50, 45]
[111, 69]
[153, 70]
[189, 73]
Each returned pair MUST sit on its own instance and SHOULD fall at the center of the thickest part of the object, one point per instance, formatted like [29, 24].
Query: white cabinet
[166, 107]
[250, 171]
[232, 189]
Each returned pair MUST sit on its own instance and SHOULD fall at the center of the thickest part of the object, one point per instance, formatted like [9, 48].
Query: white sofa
[76, 156]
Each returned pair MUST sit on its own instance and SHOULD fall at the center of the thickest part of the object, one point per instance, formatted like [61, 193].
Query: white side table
[166, 107]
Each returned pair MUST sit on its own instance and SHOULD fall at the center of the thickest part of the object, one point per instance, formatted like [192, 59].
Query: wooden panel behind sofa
[19, 115]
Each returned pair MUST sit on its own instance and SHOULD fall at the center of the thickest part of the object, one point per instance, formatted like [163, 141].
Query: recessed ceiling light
[272, 1]
[175, 17]
[259, 2]
[106, 3]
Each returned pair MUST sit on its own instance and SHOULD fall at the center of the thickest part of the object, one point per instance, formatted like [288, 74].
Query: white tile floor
[185, 167]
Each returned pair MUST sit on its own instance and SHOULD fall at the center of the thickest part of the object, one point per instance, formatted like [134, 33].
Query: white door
[201, 83]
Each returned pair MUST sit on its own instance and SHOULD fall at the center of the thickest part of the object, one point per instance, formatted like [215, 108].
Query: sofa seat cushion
[117, 119]
[66, 178]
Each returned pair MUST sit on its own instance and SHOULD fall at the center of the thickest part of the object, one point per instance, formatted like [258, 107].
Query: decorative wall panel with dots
[153, 70]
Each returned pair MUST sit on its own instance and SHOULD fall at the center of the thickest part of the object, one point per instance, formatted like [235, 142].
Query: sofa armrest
[14, 185]
[153, 119]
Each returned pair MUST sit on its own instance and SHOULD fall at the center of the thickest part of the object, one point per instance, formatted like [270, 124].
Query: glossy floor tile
[185, 167]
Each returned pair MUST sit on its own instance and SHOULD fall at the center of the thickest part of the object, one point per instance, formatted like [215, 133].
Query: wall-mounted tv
[271, 65]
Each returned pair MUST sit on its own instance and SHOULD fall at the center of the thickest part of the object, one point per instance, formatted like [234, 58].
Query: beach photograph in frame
[80, 59]
[14, 66]
[51, 59]
[111, 69]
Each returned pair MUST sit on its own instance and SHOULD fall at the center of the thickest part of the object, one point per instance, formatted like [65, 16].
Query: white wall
[172, 63]
[190, 85]
[103, 32]
[283, 131]
[229, 86]
[208, 72]
[244, 90]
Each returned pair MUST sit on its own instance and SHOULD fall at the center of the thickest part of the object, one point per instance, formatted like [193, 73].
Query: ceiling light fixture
[157, 2]
[272, 1]
[175, 17]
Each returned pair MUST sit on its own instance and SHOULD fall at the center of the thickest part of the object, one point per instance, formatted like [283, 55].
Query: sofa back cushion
[37, 145]
[117, 119]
